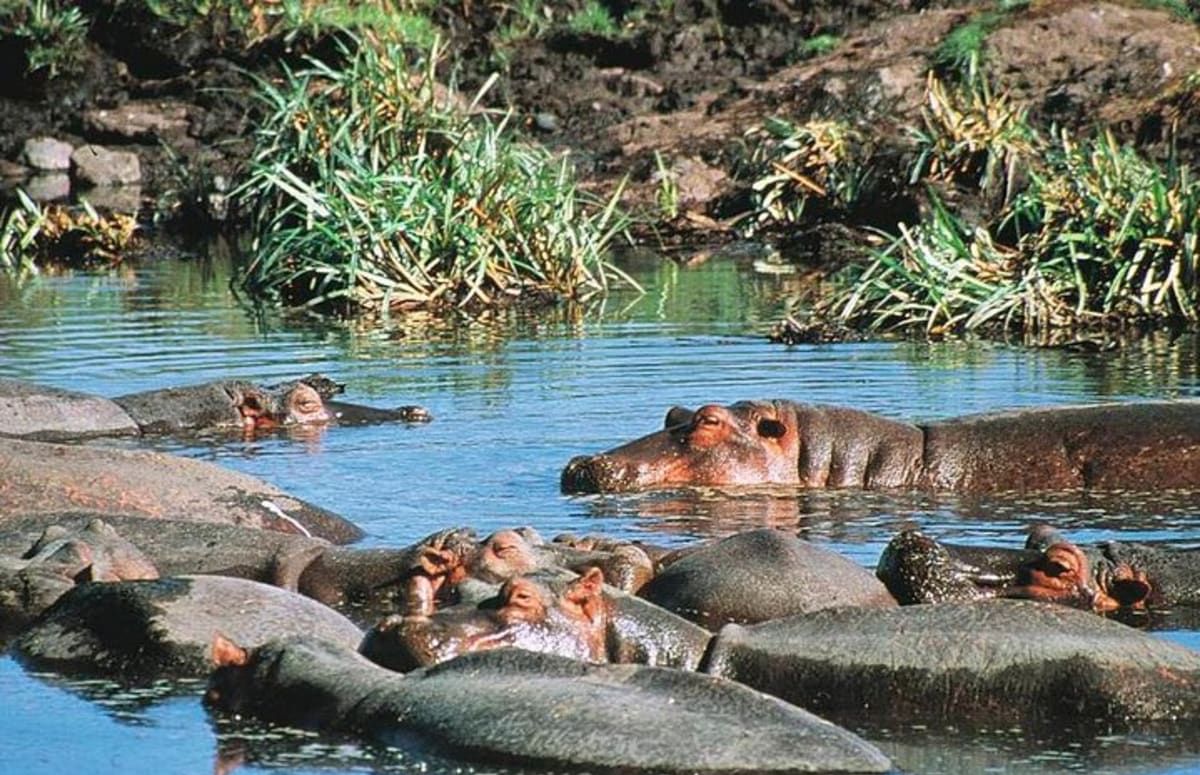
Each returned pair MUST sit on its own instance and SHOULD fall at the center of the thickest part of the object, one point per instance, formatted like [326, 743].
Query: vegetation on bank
[1087, 232]
[374, 188]
[32, 235]
[48, 35]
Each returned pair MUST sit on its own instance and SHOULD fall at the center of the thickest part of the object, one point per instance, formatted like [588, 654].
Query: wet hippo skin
[40, 477]
[1145, 446]
[520, 707]
[989, 661]
[145, 630]
[759, 575]
[1107, 576]
[40, 412]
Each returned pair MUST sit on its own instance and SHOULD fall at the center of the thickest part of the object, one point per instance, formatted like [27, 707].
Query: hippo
[1144, 446]
[1113, 575]
[147, 630]
[570, 621]
[41, 477]
[44, 413]
[509, 553]
[543, 710]
[59, 559]
[552, 610]
[759, 575]
[363, 584]
[987, 661]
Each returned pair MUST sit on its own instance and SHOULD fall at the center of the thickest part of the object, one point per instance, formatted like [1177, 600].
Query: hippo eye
[707, 419]
[771, 429]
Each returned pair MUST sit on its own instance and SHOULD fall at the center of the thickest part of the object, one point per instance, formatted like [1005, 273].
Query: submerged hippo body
[39, 412]
[1150, 445]
[364, 584]
[526, 708]
[760, 575]
[40, 477]
[988, 661]
[1111, 575]
[164, 628]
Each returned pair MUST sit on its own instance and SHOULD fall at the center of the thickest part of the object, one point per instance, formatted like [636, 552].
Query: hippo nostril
[580, 475]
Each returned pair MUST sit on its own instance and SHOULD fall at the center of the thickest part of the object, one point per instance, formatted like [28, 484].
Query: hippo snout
[592, 474]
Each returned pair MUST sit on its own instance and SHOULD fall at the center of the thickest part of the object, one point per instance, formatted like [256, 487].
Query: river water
[513, 399]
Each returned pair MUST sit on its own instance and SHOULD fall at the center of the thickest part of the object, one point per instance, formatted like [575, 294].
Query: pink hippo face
[747, 443]
[298, 404]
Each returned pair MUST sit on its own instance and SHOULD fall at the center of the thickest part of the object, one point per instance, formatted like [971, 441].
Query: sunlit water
[514, 399]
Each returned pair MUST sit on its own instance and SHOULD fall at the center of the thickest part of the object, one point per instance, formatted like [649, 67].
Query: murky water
[514, 399]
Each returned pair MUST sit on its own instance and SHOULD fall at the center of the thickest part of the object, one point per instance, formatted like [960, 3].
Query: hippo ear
[591, 582]
[226, 652]
[678, 415]
[586, 592]
[771, 429]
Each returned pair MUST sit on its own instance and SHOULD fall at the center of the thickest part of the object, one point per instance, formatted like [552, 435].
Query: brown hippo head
[750, 442]
[1062, 575]
[570, 620]
[295, 403]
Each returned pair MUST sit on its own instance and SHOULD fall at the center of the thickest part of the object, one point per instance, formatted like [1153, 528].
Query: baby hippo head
[747, 443]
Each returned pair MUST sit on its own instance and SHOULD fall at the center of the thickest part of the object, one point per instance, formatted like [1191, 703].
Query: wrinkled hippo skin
[40, 477]
[990, 661]
[363, 584]
[520, 707]
[141, 630]
[1146, 446]
[1111, 575]
[760, 575]
[45, 413]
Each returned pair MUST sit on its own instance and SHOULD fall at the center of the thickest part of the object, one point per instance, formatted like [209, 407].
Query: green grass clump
[819, 44]
[1100, 236]
[593, 19]
[797, 166]
[372, 188]
[964, 44]
[51, 33]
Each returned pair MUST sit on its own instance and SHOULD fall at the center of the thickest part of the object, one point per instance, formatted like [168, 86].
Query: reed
[374, 188]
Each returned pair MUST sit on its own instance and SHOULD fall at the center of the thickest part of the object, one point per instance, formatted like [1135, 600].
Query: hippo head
[750, 442]
[294, 403]
[1063, 575]
[917, 569]
[527, 613]
[503, 555]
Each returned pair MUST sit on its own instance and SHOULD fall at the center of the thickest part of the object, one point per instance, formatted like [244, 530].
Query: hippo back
[47, 413]
[1144, 446]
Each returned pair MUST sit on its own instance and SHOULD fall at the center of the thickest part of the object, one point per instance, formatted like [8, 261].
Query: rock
[138, 122]
[47, 153]
[48, 187]
[95, 165]
[116, 199]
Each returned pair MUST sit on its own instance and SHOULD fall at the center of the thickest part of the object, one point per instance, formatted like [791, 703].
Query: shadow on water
[514, 397]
